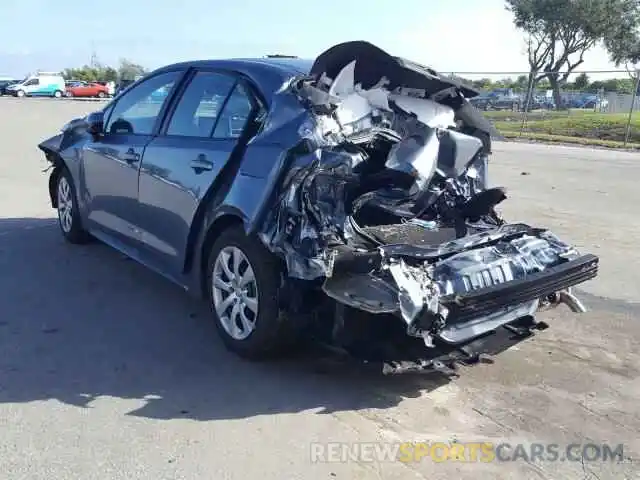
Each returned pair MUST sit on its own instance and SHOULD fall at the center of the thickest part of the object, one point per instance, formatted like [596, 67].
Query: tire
[270, 333]
[20, 93]
[101, 95]
[69, 219]
[57, 94]
[68, 94]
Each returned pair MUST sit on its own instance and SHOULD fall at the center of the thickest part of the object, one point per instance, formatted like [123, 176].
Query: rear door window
[236, 113]
[199, 108]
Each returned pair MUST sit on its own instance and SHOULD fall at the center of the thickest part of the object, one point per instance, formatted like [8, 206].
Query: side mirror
[95, 123]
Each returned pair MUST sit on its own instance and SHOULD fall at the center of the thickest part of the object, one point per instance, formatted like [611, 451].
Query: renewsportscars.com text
[408, 452]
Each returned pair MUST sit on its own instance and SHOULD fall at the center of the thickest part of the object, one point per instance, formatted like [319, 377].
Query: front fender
[64, 150]
[52, 147]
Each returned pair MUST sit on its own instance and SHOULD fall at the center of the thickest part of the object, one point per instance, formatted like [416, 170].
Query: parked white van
[41, 84]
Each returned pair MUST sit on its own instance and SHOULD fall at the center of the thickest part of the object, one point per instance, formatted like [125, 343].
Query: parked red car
[84, 89]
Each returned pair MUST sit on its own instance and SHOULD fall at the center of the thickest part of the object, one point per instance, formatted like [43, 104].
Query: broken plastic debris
[412, 295]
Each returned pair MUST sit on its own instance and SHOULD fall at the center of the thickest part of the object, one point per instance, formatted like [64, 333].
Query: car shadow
[81, 322]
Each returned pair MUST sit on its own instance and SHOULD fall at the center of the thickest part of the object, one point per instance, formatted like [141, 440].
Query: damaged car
[344, 199]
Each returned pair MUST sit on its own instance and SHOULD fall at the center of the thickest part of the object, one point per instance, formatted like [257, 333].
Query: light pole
[636, 87]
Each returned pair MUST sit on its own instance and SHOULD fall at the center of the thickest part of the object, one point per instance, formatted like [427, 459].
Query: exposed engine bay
[387, 204]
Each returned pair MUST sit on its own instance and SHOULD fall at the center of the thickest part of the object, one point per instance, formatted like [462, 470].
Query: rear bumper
[463, 308]
[360, 282]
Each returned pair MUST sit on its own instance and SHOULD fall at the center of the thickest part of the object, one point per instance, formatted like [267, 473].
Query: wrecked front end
[385, 205]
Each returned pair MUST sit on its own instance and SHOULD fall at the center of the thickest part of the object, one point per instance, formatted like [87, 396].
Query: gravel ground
[109, 372]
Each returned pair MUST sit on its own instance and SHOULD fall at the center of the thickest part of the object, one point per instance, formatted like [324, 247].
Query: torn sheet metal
[401, 142]
[311, 212]
[418, 295]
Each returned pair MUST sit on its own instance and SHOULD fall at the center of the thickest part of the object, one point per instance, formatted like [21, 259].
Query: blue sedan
[344, 198]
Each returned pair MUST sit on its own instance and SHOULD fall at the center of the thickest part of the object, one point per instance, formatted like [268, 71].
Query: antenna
[94, 56]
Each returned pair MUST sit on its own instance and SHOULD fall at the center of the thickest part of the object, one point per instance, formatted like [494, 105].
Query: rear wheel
[243, 283]
[68, 213]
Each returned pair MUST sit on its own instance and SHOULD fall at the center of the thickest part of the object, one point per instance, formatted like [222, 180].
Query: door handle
[131, 156]
[201, 164]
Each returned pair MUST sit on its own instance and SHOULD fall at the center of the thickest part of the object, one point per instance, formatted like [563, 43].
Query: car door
[111, 161]
[77, 89]
[179, 165]
[82, 90]
[92, 90]
[32, 87]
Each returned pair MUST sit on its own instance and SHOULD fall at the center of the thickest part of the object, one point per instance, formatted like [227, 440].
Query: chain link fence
[598, 108]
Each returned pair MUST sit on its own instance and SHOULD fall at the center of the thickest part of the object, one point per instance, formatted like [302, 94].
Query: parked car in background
[73, 83]
[304, 205]
[594, 102]
[540, 102]
[498, 99]
[111, 88]
[88, 89]
[590, 101]
[41, 84]
[4, 83]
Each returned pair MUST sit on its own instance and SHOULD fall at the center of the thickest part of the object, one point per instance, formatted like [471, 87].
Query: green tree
[617, 85]
[581, 82]
[504, 83]
[522, 82]
[110, 74]
[88, 73]
[483, 84]
[129, 70]
[623, 45]
[560, 32]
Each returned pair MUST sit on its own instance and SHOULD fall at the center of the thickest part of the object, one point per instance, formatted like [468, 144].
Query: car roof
[290, 65]
[267, 73]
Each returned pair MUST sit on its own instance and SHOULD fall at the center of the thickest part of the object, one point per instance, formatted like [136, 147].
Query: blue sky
[52, 35]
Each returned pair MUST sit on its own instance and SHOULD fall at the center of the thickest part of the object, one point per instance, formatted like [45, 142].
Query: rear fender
[211, 228]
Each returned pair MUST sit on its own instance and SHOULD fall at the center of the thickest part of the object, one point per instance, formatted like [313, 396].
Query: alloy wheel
[65, 205]
[235, 292]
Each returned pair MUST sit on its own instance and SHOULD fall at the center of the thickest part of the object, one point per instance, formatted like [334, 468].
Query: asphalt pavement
[107, 371]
